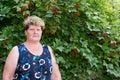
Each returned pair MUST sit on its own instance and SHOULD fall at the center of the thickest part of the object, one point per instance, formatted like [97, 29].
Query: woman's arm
[10, 64]
[56, 75]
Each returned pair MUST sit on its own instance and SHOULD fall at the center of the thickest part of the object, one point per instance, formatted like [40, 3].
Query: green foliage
[84, 34]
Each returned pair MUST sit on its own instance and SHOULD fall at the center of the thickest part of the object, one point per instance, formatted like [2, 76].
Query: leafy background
[84, 34]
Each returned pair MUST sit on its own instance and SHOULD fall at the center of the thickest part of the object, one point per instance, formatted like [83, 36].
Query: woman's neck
[31, 43]
[34, 47]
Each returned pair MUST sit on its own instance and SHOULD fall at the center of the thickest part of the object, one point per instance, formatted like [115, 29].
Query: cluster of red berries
[25, 8]
[77, 7]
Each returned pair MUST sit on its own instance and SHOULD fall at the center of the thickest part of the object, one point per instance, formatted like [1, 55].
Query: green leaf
[60, 48]
[60, 60]
[49, 14]
[16, 1]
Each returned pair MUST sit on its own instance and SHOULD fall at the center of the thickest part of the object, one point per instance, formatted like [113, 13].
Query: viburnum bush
[84, 34]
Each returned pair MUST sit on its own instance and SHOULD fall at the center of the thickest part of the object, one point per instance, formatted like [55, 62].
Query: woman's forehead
[34, 26]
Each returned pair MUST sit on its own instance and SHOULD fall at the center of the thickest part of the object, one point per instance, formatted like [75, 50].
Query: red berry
[112, 44]
[104, 34]
[111, 54]
[26, 15]
[23, 9]
[55, 10]
[48, 31]
[75, 51]
[77, 14]
[54, 24]
[76, 6]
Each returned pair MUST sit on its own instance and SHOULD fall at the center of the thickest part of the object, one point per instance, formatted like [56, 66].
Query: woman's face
[33, 33]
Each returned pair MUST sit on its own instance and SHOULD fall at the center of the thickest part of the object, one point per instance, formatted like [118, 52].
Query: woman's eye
[31, 29]
[38, 29]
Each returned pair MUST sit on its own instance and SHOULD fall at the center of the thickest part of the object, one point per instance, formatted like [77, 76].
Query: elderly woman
[31, 60]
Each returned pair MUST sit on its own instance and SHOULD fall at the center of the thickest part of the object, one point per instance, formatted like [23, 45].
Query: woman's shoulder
[14, 48]
[13, 54]
[47, 46]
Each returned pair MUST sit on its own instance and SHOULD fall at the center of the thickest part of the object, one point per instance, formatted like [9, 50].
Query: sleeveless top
[32, 67]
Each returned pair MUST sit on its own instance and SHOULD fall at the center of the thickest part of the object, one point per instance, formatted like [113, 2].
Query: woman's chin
[35, 40]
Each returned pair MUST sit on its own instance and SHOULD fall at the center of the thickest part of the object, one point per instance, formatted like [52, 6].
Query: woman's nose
[35, 31]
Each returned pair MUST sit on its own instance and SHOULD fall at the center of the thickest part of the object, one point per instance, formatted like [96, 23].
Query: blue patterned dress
[32, 67]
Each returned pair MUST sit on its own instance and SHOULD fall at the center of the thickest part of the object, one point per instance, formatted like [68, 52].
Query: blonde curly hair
[33, 20]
